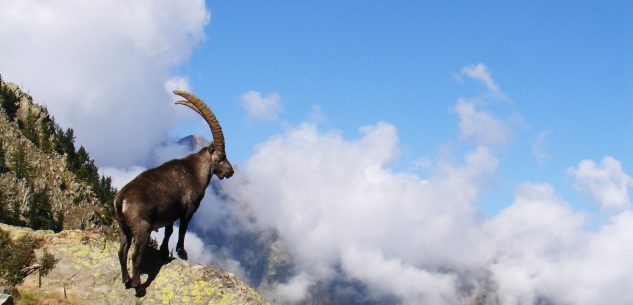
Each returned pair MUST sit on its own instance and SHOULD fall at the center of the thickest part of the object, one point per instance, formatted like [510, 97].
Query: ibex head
[221, 167]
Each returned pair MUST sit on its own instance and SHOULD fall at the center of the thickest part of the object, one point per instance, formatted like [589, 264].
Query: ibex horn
[201, 108]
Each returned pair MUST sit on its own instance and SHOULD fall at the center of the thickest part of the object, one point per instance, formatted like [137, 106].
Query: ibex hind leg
[141, 236]
[125, 239]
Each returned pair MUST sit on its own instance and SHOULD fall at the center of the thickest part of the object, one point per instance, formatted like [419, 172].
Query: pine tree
[83, 160]
[40, 212]
[5, 213]
[68, 148]
[18, 162]
[44, 139]
[58, 221]
[29, 127]
[15, 214]
[3, 167]
[9, 101]
[105, 194]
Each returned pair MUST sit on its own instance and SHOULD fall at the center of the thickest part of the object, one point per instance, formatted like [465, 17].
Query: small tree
[46, 263]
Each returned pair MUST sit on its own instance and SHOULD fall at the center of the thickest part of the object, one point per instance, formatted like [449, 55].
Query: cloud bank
[342, 211]
[102, 67]
[607, 183]
[480, 73]
[261, 107]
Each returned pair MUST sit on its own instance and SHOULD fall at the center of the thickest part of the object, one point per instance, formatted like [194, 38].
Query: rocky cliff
[88, 272]
[72, 201]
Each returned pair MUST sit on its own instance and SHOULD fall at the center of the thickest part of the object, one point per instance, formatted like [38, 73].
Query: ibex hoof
[182, 254]
[164, 253]
[132, 284]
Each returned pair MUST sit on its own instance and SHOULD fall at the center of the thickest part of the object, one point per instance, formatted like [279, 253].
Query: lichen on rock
[88, 271]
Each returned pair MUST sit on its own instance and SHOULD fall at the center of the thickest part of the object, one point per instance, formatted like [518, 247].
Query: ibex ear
[216, 156]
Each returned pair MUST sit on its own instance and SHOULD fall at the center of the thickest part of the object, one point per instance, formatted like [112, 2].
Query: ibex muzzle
[159, 196]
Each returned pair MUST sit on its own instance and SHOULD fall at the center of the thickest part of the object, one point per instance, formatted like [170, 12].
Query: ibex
[173, 190]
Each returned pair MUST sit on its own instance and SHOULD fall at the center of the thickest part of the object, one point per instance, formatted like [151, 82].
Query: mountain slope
[38, 186]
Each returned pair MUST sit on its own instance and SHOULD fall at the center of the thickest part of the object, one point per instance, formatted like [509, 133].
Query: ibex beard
[159, 196]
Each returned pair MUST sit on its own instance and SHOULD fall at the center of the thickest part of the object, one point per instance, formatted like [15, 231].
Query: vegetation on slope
[41, 171]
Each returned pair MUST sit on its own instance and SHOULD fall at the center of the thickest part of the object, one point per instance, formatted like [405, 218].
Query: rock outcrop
[88, 272]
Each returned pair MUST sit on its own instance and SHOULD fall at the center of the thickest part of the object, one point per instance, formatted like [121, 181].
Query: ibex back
[159, 196]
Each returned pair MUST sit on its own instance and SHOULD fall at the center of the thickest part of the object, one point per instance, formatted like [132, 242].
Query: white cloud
[543, 255]
[422, 163]
[333, 199]
[316, 115]
[121, 176]
[341, 210]
[169, 151]
[529, 237]
[479, 72]
[395, 277]
[538, 148]
[292, 292]
[101, 66]
[261, 107]
[479, 125]
[177, 83]
[197, 252]
[607, 183]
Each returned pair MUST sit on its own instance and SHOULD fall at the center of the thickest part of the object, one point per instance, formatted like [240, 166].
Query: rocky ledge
[88, 272]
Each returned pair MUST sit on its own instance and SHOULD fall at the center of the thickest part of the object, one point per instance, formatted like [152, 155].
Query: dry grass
[29, 297]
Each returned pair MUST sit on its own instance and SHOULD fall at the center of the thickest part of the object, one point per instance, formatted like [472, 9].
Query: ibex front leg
[182, 230]
[164, 247]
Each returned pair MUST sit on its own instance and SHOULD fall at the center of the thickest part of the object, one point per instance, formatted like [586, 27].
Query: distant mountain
[194, 142]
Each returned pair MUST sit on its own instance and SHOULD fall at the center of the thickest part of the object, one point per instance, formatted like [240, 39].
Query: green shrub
[17, 258]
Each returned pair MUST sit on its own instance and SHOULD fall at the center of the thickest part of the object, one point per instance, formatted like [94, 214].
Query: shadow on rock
[151, 264]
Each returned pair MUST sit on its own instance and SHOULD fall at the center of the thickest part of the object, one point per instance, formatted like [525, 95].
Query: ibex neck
[202, 165]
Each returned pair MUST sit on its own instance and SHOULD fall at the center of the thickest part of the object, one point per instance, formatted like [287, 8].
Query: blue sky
[565, 68]
[380, 141]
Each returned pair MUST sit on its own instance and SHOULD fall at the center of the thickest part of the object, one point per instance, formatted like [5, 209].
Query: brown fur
[158, 197]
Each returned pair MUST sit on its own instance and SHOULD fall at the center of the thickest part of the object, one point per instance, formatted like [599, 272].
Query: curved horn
[190, 105]
[201, 108]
